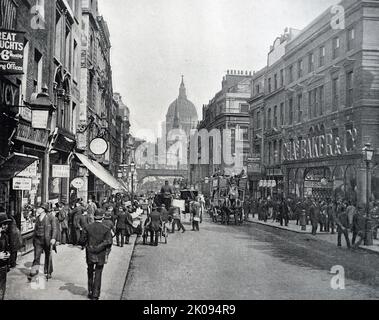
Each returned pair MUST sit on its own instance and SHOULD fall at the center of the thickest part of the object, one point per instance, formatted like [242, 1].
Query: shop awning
[99, 171]
[14, 164]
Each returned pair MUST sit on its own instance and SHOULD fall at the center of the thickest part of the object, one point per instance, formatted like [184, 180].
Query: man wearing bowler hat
[45, 235]
[96, 238]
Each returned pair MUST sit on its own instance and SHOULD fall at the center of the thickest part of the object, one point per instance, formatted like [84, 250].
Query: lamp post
[42, 113]
[368, 154]
[132, 171]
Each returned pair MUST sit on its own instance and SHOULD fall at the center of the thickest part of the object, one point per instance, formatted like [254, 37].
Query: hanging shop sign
[61, 171]
[77, 183]
[326, 145]
[40, 119]
[98, 146]
[22, 184]
[11, 52]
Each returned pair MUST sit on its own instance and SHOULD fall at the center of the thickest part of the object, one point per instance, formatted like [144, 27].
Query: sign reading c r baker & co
[325, 145]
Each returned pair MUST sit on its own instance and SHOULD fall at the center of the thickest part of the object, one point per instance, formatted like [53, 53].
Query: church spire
[182, 90]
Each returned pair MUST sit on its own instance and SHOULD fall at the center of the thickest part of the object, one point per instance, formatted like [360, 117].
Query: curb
[129, 263]
[363, 248]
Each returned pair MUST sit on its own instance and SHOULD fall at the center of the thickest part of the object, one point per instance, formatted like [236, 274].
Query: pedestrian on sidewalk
[44, 239]
[284, 213]
[342, 222]
[91, 209]
[15, 240]
[107, 221]
[359, 227]
[120, 227]
[63, 222]
[4, 251]
[351, 210]
[96, 238]
[176, 221]
[314, 213]
[76, 216]
[196, 216]
[154, 224]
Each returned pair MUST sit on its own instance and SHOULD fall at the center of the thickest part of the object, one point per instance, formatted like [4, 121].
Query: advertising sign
[77, 183]
[22, 184]
[98, 146]
[40, 119]
[11, 52]
[61, 171]
[30, 171]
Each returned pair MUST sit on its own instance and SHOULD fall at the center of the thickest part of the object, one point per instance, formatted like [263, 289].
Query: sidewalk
[332, 238]
[69, 280]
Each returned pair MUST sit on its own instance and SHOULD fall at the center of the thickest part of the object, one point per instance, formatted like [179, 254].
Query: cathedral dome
[182, 108]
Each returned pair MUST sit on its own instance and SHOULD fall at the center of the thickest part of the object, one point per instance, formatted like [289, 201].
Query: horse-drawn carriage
[227, 200]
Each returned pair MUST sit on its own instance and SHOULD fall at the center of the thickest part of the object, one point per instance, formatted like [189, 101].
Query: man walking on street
[63, 222]
[91, 209]
[154, 223]
[45, 235]
[96, 238]
[342, 222]
[314, 213]
[167, 193]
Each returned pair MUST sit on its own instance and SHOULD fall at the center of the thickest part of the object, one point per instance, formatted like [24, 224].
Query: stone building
[330, 105]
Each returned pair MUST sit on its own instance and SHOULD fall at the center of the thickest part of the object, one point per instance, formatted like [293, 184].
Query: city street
[247, 262]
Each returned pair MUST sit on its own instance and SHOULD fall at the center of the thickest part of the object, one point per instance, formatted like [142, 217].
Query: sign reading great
[11, 52]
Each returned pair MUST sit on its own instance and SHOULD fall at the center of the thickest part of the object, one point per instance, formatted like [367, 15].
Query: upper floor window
[350, 39]
[244, 108]
[322, 56]
[290, 74]
[269, 85]
[336, 47]
[290, 111]
[299, 108]
[282, 114]
[349, 88]
[300, 68]
[275, 116]
[269, 118]
[37, 71]
[275, 82]
[335, 94]
[258, 119]
[282, 78]
[311, 62]
[257, 89]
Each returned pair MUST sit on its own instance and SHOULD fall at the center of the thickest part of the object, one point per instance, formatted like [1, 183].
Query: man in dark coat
[167, 192]
[96, 238]
[45, 235]
[120, 226]
[4, 252]
[63, 222]
[76, 216]
[154, 224]
[314, 214]
[284, 213]
[359, 227]
[15, 241]
[342, 221]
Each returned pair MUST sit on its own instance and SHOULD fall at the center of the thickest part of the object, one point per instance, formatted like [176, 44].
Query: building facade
[330, 97]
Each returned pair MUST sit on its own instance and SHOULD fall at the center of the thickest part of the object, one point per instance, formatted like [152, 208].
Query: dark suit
[120, 228]
[342, 221]
[44, 232]
[314, 213]
[96, 237]
[155, 222]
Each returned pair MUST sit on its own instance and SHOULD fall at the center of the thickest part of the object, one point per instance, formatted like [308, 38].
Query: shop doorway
[318, 183]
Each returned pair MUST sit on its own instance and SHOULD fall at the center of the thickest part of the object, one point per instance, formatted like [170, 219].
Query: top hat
[4, 218]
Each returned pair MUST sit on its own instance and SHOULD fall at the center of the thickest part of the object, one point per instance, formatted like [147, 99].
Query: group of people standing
[341, 217]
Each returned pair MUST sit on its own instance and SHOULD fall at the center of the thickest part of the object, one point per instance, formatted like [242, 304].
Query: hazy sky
[154, 42]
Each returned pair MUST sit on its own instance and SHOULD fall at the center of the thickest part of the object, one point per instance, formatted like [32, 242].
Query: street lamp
[368, 154]
[132, 171]
[42, 113]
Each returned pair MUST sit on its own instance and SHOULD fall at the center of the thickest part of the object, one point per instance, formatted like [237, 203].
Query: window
[322, 56]
[321, 100]
[269, 153]
[310, 104]
[349, 89]
[74, 118]
[300, 68]
[299, 108]
[24, 76]
[275, 116]
[68, 57]
[58, 35]
[258, 119]
[282, 78]
[282, 114]
[75, 60]
[275, 152]
[280, 151]
[311, 62]
[257, 89]
[269, 85]
[335, 95]
[233, 141]
[275, 82]
[244, 108]
[37, 71]
[290, 74]
[244, 134]
[336, 47]
[269, 118]
[350, 39]
[290, 111]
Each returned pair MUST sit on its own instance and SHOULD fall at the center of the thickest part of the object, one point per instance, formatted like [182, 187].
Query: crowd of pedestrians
[328, 216]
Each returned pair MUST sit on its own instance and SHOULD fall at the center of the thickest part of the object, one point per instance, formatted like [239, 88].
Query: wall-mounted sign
[11, 52]
[98, 146]
[9, 93]
[22, 184]
[40, 119]
[61, 171]
[77, 183]
[29, 172]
